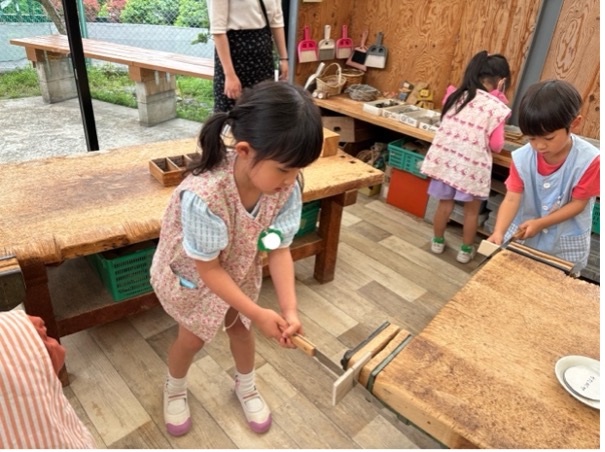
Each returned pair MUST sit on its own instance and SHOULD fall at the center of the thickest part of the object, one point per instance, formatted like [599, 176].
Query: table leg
[330, 219]
[38, 303]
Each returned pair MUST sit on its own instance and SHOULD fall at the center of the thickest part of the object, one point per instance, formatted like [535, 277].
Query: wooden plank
[574, 56]
[143, 371]
[374, 345]
[381, 355]
[381, 434]
[214, 389]
[134, 57]
[113, 409]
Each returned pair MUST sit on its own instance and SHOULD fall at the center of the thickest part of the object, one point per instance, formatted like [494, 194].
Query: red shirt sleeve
[514, 182]
[496, 139]
[589, 184]
[450, 89]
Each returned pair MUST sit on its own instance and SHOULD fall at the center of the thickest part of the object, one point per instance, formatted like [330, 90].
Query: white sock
[176, 386]
[246, 386]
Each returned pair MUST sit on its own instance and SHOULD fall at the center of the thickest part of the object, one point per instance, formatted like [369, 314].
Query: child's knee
[190, 342]
[239, 331]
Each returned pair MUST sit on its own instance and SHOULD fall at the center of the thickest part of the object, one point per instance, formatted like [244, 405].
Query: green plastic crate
[308, 218]
[125, 273]
[596, 220]
[405, 159]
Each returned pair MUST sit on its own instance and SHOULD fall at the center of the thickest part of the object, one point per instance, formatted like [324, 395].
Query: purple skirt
[443, 191]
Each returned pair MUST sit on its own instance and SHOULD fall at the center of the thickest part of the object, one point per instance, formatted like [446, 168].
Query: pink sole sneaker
[262, 427]
[179, 430]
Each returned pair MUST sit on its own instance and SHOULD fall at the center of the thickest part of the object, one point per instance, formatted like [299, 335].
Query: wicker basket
[363, 93]
[331, 80]
[353, 76]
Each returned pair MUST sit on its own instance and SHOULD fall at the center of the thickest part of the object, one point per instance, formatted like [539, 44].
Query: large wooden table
[57, 209]
[481, 374]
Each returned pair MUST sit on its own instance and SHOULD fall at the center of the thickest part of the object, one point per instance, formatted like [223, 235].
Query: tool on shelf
[358, 57]
[307, 48]
[344, 45]
[312, 77]
[377, 54]
[327, 48]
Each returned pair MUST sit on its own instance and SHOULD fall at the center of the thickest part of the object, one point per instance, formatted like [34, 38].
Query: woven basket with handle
[331, 80]
[352, 76]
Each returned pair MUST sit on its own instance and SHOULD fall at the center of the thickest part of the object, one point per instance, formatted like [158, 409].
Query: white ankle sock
[176, 386]
[246, 385]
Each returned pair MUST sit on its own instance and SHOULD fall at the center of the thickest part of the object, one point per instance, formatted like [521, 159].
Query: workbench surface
[482, 373]
[62, 207]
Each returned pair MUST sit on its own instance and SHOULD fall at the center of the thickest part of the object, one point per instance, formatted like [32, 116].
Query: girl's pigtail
[210, 142]
[470, 83]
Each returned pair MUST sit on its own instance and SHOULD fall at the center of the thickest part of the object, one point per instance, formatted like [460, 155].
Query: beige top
[243, 15]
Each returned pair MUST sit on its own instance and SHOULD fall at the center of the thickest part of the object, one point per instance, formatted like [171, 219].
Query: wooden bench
[98, 201]
[152, 70]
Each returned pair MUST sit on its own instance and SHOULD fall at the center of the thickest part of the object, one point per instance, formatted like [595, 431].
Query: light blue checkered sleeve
[288, 218]
[204, 234]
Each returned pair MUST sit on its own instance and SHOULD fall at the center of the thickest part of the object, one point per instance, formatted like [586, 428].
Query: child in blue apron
[553, 179]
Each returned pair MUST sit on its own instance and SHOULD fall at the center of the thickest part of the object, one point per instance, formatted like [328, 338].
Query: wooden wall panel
[419, 37]
[574, 56]
[504, 27]
[433, 40]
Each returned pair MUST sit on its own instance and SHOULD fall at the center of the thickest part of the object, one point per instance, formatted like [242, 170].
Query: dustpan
[358, 57]
[307, 48]
[327, 49]
[344, 45]
[377, 54]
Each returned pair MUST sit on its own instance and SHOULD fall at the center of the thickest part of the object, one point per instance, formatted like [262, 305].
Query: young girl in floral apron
[243, 32]
[235, 203]
[459, 160]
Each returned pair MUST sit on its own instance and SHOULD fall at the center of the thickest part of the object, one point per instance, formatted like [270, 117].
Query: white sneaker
[437, 247]
[176, 413]
[464, 257]
[255, 409]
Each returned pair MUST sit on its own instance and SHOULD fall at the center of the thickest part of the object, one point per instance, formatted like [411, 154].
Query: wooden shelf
[345, 105]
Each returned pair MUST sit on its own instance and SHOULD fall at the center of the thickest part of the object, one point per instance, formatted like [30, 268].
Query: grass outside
[110, 84]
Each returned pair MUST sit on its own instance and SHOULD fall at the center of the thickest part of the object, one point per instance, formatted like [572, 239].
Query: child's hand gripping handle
[302, 343]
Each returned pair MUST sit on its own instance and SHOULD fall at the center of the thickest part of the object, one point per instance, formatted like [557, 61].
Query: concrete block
[57, 80]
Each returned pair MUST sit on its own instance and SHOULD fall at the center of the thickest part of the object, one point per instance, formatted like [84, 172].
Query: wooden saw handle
[303, 343]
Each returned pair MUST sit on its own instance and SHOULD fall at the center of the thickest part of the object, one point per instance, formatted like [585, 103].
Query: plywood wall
[433, 40]
[574, 56]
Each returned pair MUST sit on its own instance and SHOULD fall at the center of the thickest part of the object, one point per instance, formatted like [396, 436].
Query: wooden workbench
[56, 209]
[481, 374]
[344, 105]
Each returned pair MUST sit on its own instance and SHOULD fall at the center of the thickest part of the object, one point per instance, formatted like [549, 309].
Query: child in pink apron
[235, 203]
[459, 161]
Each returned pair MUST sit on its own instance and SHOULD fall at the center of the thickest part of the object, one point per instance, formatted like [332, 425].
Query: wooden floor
[385, 271]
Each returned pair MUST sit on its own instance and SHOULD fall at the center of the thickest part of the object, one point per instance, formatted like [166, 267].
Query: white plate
[574, 360]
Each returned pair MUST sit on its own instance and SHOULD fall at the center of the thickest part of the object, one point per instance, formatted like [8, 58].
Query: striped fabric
[34, 412]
